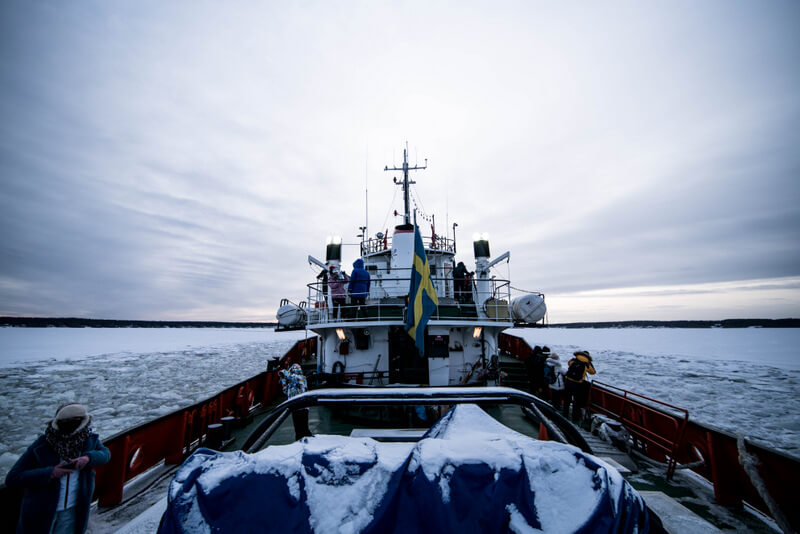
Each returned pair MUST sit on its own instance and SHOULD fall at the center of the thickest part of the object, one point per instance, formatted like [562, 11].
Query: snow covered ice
[742, 380]
[125, 376]
[745, 380]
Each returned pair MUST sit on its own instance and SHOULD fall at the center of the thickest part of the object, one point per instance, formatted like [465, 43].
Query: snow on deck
[469, 470]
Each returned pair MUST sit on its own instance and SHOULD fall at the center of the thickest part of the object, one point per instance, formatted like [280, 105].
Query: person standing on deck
[293, 382]
[338, 290]
[56, 474]
[576, 387]
[359, 283]
[460, 281]
[323, 276]
[557, 385]
[534, 366]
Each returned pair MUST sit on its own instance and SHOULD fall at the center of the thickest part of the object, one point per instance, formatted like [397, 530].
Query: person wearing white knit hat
[56, 474]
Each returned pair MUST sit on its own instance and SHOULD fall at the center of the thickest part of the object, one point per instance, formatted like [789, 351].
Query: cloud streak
[181, 161]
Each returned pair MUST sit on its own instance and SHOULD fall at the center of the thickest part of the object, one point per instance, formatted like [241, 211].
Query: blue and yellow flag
[422, 299]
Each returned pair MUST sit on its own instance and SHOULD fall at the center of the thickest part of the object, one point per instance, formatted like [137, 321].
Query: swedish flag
[422, 299]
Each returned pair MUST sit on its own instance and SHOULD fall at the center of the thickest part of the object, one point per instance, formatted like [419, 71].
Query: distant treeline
[726, 323]
[73, 322]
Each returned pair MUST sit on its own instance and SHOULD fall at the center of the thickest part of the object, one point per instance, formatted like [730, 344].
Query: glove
[59, 471]
[81, 462]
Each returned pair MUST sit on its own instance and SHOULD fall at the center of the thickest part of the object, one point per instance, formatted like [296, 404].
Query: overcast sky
[180, 160]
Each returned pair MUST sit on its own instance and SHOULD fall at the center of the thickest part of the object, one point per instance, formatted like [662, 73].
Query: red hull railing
[171, 438]
[664, 433]
[657, 427]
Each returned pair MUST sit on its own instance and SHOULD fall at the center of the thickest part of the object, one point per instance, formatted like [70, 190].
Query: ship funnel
[333, 250]
[480, 243]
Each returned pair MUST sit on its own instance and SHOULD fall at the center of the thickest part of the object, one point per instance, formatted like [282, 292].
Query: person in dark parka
[359, 282]
[56, 474]
[460, 281]
[534, 367]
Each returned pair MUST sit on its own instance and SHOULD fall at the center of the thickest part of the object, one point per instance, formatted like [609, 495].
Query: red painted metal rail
[664, 433]
[173, 437]
[657, 427]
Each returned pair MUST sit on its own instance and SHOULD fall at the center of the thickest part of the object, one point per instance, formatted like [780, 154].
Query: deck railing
[657, 427]
[664, 433]
[433, 243]
[172, 437]
[488, 300]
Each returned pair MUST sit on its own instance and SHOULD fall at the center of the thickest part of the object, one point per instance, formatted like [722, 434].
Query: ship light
[480, 243]
[477, 332]
[340, 334]
[333, 248]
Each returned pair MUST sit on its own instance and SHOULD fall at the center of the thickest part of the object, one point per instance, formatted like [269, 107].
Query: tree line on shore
[76, 322]
[725, 323]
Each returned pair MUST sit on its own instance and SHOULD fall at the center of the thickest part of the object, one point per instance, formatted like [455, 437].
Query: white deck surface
[677, 519]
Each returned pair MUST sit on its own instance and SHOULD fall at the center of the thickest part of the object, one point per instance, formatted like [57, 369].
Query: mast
[406, 182]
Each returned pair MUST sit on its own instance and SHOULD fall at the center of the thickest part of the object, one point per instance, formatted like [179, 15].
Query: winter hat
[546, 350]
[583, 353]
[332, 268]
[71, 410]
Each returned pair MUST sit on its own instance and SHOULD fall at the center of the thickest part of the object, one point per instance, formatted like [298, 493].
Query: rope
[750, 465]
[525, 291]
[391, 207]
[421, 211]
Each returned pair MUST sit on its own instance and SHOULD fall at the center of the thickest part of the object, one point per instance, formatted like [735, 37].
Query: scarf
[69, 446]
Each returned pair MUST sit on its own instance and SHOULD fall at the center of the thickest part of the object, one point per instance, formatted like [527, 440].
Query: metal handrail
[417, 396]
[319, 302]
[431, 244]
[630, 405]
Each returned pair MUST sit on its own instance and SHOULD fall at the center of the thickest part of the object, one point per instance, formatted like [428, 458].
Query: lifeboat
[291, 315]
[529, 308]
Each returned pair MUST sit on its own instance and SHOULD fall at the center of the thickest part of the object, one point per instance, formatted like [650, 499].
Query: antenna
[406, 182]
[446, 212]
[366, 189]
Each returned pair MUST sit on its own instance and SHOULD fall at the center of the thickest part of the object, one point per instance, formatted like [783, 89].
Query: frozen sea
[125, 376]
[742, 380]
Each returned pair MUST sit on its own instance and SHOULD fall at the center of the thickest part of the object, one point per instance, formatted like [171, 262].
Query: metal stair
[513, 373]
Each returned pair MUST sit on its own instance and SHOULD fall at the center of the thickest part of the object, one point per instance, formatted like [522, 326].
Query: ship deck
[685, 500]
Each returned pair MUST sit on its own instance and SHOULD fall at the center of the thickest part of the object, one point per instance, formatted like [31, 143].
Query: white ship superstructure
[371, 338]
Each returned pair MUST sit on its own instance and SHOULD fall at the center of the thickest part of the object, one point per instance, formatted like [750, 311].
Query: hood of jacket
[358, 264]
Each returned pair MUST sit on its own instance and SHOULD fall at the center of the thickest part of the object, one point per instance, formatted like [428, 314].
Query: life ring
[338, 368]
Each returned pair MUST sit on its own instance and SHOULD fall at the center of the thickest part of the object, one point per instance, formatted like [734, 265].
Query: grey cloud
[164, 160]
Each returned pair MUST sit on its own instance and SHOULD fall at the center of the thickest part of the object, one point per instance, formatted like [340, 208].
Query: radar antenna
[406, 182]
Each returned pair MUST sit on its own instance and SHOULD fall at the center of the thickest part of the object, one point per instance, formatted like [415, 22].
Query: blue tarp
[468, 474]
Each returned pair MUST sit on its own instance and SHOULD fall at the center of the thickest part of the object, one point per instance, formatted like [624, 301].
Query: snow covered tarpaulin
[468, 474]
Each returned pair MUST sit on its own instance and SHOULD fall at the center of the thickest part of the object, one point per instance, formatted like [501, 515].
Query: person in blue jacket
[56, 474]
[359, 283]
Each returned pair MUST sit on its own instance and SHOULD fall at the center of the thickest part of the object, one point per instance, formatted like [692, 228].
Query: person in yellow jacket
[576, 387]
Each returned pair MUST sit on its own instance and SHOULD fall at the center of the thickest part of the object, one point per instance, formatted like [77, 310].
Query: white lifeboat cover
[290, 315]
[529, 308]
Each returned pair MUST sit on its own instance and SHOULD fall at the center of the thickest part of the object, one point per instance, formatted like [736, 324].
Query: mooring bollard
[214, 436]
[227, 426]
